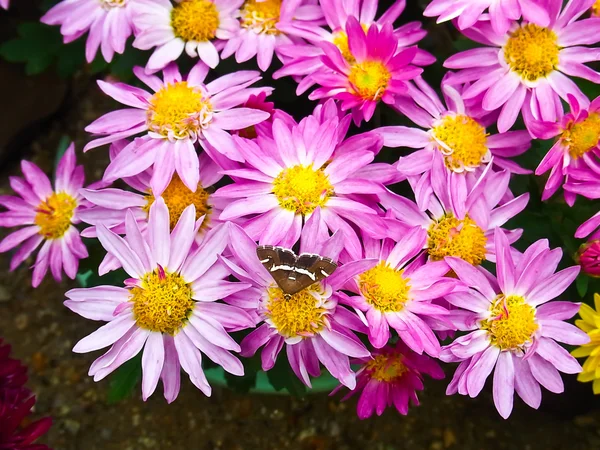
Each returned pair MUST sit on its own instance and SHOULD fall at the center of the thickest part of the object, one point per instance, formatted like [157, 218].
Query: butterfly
[294, 273]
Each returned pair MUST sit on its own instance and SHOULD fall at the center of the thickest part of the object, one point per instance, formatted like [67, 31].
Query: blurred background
[47, 93]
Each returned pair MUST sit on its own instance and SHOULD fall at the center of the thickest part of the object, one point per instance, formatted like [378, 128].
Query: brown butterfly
[293, 273]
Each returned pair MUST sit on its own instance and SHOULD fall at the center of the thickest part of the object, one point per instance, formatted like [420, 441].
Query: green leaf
[582, 283]
[282, 377]
[125, 380]
[243, 384]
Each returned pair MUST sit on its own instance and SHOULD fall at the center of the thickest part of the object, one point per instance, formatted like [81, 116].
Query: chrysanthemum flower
[512, 327]
[588, 258]
[528, 68]
[398, 291]
[196, 26]
[109, 23]
[4, 4]
[109, 206]
[302, 60]
[47, 216]
[391, 377]
[16, 403]
[260, 33]
[499, 12]
[168, 307]
[576, 150]
[311, 324]
[178, 114]
[590, 319]
[460, 220]
[454, 131]
[304, 166]
[373, 70]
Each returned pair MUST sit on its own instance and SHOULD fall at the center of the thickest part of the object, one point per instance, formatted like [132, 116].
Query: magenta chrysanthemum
[312, 325]
[512, 327]
[391, 377]
[178, 114]
[169, 305]
[47, 216]
[197, 26]
[398, 291]
[304, 166]
[500, 12]
[527, 69]
[377, 69]
[108, 22]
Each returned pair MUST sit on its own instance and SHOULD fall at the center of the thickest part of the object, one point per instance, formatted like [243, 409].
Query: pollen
[302, 189]
[261, 16]
[462, 141]
[163, 303]
[179, 111]
[583, 136]
[450, 236]
[195, 20]
[54, 215]
[178, 196]
[369, 79]
[386, 367]
[512, 322]
[532, 52]
[596, 9]
[384, 287]
[300, 315]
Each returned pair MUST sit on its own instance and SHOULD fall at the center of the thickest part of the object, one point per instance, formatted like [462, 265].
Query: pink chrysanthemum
[108, 22]
[500, 12]
[4, 4]
[391, 377]
[304, 166]
[48, 216]
[197, 26]
[575, 155]
[169, 305]
[261, 24]
[398, 292]
[455, 131]
[109, 206]
[528, 68]
[302, 60]
[460, 219]
[373, 70]
[178, 114]
[311, 324]
[512, 327]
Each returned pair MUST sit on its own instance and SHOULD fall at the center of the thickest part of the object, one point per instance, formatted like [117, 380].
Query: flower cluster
[207, 170]
[16, 402]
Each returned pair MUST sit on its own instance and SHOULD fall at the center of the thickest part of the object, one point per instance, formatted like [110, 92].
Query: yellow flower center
[532, 52]
[596, 8]
[384, 287]
[108, 4]
[195, 20]
[163, 303]
[179, 111]
[583, 136]
[54, 215]
[465, 142]
[369, 79]
[512, 322]
[386, 367]
[340, 40]
[178, 196]
[450, 236]
[261, 16]
[300, 315]
[302, 189]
